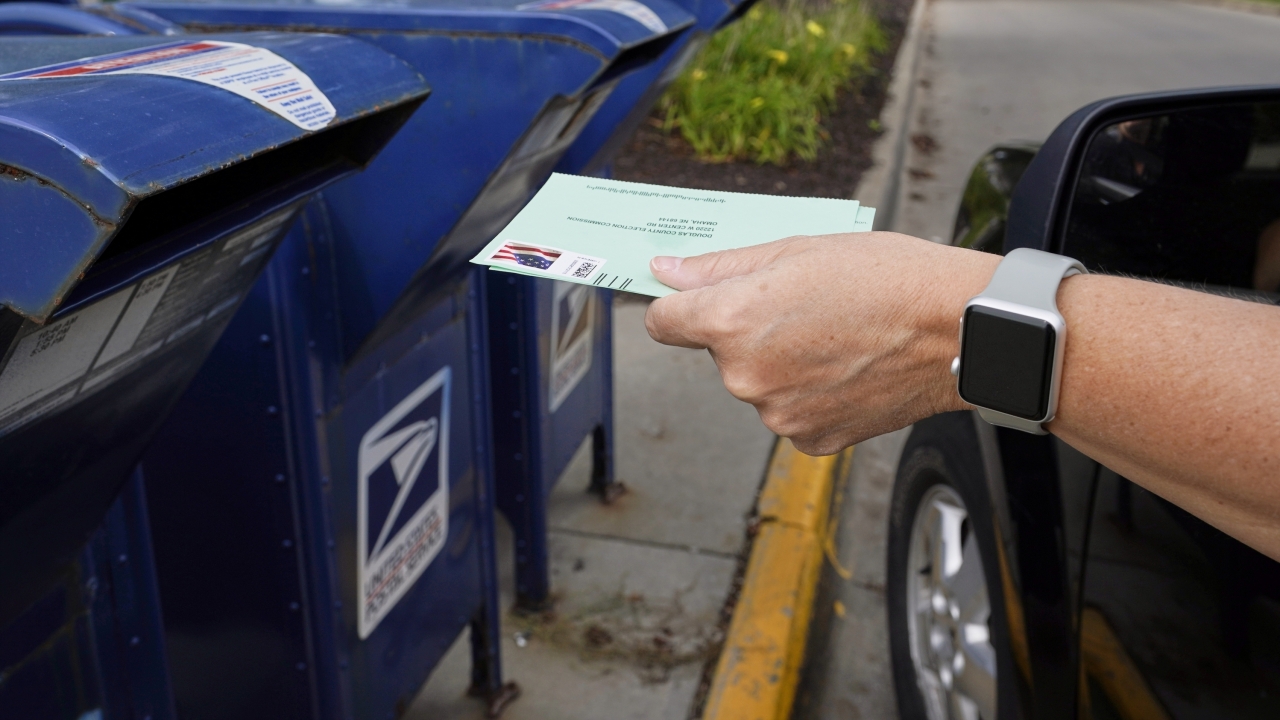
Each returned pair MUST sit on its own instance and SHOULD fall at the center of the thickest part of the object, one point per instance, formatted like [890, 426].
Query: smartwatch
[1011, 342]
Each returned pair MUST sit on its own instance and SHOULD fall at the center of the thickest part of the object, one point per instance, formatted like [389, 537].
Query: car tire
[945, 621]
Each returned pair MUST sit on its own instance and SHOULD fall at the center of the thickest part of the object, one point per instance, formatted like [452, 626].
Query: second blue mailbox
[560, 336]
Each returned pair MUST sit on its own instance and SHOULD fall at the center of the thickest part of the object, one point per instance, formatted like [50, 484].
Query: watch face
[1006, 362]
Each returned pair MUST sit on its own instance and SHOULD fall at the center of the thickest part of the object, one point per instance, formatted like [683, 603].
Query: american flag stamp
[549, 260]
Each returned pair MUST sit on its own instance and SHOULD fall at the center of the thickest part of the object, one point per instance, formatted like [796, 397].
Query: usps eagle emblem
[403, 497]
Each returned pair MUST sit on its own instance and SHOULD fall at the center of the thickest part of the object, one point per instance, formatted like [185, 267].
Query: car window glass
[1191, 197]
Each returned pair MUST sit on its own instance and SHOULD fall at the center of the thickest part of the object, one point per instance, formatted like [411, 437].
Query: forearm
[837, 339]
[1177, 391]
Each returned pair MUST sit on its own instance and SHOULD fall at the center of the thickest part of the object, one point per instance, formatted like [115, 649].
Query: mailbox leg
[533, 564]
[533, 568]
[486, 625]
[603, 481]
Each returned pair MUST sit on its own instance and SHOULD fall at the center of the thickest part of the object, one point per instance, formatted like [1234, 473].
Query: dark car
[1026, 580]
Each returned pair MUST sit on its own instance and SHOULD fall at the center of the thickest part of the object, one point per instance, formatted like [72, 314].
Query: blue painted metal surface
[46, 18]
[138, 212]
[370, 299]
[272, 433]
[107, 143]
[28, 18]
[552, 373]
[92, 646]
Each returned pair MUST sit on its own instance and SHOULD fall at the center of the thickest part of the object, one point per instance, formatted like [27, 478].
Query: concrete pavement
[993, 71]
[999, 70]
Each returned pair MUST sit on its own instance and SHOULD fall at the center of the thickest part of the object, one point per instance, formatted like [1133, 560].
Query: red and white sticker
[251, 72]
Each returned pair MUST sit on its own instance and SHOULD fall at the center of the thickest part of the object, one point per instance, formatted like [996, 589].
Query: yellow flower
[757, 103]
[814, 29]
[849, 49]
[779, 55]
[754, 13]
[699, 74]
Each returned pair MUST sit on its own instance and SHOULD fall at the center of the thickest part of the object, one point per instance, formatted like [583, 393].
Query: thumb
[702, 270]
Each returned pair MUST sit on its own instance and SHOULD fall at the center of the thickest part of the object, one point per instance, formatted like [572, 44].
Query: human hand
[834, 339]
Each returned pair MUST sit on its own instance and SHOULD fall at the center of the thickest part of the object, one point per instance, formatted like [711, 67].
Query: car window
[1192, 197]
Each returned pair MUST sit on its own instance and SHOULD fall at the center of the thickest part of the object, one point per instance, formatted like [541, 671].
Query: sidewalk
[639, 584]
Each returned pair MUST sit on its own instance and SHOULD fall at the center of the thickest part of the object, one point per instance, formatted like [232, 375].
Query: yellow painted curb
[759, 667]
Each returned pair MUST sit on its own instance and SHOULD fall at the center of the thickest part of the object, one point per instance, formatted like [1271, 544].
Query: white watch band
[1030, 278]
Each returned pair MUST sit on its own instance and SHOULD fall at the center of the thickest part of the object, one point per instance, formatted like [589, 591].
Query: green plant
[760, 87]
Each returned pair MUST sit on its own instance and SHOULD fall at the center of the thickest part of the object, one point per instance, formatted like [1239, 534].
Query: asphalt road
[993, 71]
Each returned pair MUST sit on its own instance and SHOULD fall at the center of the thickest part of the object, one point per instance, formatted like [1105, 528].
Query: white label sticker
[637, 11]
[250, 72]
[135, 318]
[402, 498]
[49, 359]
[573, 312]
[74, 356]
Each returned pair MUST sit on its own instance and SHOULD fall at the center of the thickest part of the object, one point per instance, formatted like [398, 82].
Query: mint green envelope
[604, 232]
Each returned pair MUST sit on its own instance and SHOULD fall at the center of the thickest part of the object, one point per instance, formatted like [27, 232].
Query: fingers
[702, 270]
[676, 320]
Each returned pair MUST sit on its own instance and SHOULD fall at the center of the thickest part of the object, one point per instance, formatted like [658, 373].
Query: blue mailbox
[560, 337]
[359, 367]
[144, 183]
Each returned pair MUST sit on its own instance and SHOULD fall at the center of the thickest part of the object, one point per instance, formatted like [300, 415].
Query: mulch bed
[655, 157]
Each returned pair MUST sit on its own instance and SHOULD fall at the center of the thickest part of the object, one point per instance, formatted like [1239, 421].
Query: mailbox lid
[513, 83]
[79, 152]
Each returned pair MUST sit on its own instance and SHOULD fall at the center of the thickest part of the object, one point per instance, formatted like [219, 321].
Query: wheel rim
[948, 612]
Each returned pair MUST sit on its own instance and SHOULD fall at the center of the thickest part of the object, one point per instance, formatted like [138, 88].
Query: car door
[1177, 619]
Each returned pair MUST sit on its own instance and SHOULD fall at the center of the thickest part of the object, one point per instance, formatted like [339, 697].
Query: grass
[760, 88]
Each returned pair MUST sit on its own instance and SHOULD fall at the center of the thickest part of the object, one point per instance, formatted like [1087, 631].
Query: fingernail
[666, 263]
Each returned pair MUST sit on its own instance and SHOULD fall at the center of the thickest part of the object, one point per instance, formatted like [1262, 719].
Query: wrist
[958, 275]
